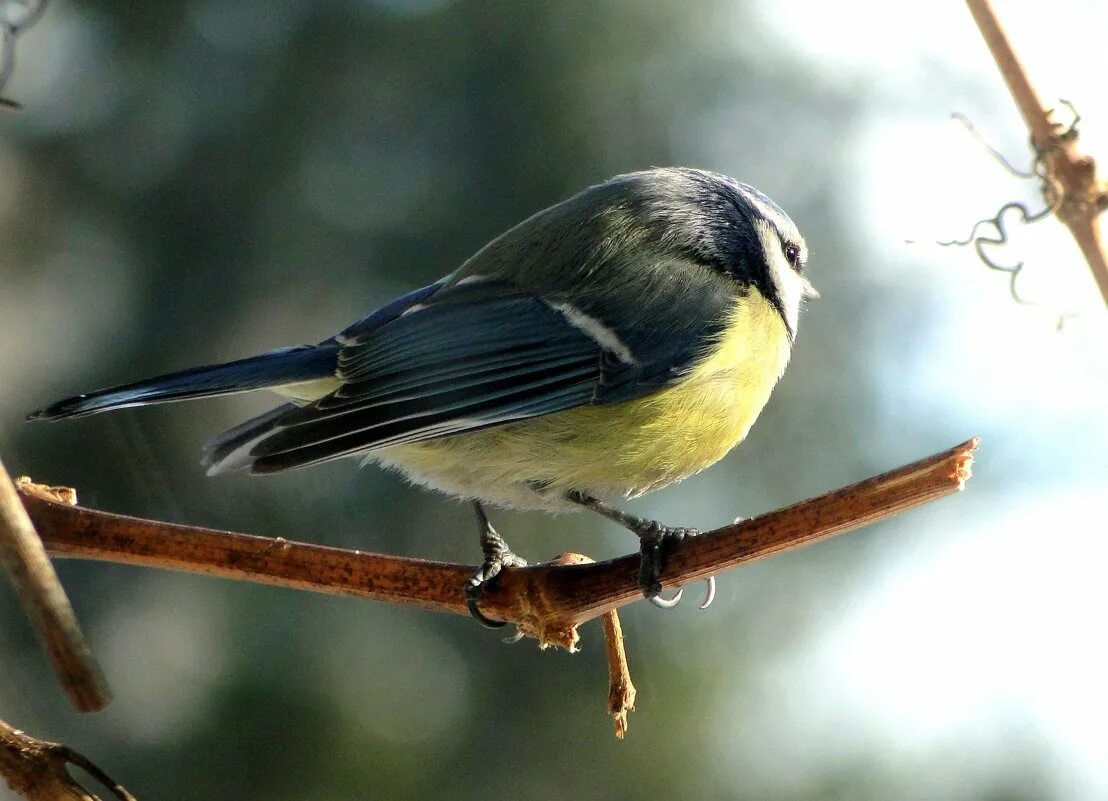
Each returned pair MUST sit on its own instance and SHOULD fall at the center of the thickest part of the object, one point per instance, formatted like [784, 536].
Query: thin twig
[38, 770]
[967, 123]
[1068, 173]
[544, 601]
[46, 604]
[10, 31]
[621, 692]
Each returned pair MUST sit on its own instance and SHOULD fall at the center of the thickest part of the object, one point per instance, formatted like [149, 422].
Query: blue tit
[610, 345]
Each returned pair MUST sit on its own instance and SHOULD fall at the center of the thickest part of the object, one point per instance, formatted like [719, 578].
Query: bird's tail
[269, 370]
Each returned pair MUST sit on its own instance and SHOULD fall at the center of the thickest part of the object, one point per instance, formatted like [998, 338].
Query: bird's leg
[497, 556]
[652, 539]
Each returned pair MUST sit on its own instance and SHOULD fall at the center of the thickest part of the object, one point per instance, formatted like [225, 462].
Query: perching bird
[612, 344]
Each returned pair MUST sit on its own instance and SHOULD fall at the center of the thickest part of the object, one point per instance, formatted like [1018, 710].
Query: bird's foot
[488, 571]
[653, 540]
[653, 537]
[497, 557]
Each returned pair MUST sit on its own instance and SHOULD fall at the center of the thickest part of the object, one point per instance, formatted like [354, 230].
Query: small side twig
[967, 123]
[621, 691]
[544, 601]
[47, 606]
[38, 770]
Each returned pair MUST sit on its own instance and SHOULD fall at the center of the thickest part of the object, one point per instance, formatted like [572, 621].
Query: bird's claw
[514, 638]
[494, 562]
[666, 603]
[670, 603]
[652, 539]
[709, 593]
[473, 598]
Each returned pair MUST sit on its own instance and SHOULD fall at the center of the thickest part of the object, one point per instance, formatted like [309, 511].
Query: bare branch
[38, 770]
[46, 604]
[545, 601]
[1070, 176]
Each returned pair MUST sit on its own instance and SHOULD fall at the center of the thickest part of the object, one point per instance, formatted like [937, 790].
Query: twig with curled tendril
[1050, 188]
[1001, 238]
[994, 152]
[1069, 182]
[10, 31]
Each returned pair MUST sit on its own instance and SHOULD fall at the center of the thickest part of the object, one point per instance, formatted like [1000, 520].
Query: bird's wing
[460, 357]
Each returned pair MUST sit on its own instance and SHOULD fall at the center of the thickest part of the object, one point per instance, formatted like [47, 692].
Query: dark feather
[463, 358]
[273, 369]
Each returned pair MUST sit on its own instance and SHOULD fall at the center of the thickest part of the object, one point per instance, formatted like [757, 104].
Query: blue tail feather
[274, 369]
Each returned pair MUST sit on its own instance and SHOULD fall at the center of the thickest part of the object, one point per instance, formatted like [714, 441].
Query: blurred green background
[192, 182]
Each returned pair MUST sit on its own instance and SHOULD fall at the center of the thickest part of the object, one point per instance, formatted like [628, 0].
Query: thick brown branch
[43, 598]
[1082, 197]
[546, 601]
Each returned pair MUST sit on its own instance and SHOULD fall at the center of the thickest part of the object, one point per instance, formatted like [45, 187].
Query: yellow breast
[685, 428]
[623, 449]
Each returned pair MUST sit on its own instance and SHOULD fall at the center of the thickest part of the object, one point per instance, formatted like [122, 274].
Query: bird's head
[728, 226]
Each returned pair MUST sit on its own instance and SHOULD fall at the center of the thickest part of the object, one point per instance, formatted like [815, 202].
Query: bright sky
[984, 637]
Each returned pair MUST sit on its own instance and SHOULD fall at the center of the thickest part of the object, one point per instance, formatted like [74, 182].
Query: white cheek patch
[595, 330]
[791, 286]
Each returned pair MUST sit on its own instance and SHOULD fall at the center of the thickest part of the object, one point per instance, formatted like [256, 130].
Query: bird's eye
[792, 253]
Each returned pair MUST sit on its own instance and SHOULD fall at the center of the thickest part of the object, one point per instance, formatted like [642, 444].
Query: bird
[610, 345]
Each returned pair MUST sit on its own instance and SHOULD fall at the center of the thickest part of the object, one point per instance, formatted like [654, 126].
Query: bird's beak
[810, 291]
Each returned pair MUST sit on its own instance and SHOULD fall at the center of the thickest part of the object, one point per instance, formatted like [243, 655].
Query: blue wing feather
[449, 359]
[680, 333]
[389, 312]
[482, 354]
